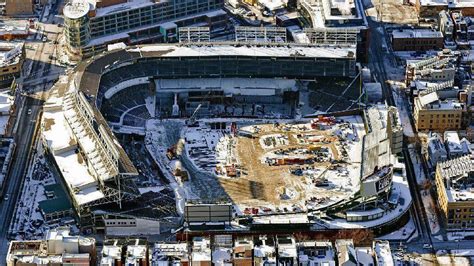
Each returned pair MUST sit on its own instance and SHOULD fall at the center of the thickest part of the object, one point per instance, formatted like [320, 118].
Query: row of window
[120, 223]
[438, 115]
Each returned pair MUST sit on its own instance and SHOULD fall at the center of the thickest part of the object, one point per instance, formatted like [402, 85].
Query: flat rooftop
[10, 53]
[416, 33]
[244, 50]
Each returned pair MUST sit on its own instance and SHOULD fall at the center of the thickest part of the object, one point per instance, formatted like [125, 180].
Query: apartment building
[455, 191]
[431, 113]
[91, 24]
[417, 40]
[58, 248]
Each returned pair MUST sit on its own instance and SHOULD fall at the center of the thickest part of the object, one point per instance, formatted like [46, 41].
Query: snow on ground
[159, 137]
[400, 99]
[459, 235]
[417, 165]
[453, 259]
[144, 190]
[400, 184]
[428, 202]
[404, 233]
[28, 221]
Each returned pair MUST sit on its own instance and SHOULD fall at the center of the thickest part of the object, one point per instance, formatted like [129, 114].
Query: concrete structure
[91, 25]
[417, 40]
[431, 113]
[58, 248]
[455, 192]
[129, 226]
[12, 56]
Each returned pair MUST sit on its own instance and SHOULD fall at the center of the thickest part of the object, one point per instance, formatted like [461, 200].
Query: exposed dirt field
[262, 184]
[392, 11]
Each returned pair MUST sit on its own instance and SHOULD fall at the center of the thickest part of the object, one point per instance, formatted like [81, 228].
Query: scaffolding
[260, 34]
[438, 87]
[335, 36]
[194, 34]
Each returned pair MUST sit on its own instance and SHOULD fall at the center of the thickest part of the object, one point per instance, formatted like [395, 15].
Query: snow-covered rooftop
[416, 33]
[232, 50]
[10, 53]
[383, 254]
[73, 167]
[77, 8]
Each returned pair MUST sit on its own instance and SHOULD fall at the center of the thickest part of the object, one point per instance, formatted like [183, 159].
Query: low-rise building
[165, 254]
[14, 29]
[453, 144]
[383, 254]
[243, 252]
[112, 252]
[435, 150]
[222, 250]
[58, 248]
[417, 40]
[201, 251]
[346, 253]
[137, 252]
[12, 56]
[286, 247]
[455, 190]
[365, 256]
[316, 253]
[264, 251]
[431, 113]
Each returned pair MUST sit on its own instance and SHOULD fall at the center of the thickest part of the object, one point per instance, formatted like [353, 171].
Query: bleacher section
[128, 107]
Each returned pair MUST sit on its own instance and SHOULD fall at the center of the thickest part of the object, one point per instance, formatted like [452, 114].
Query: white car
[7, 196]
[427, 246]
[29, 111]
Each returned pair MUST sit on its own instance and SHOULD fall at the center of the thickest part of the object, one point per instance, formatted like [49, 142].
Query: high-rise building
[91, 24]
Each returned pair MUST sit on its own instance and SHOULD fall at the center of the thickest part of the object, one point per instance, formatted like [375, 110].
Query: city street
[39, 73]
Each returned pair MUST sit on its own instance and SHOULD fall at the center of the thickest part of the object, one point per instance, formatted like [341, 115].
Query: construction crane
[192, 120]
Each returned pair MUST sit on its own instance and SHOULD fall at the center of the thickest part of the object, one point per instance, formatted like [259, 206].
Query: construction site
[298, 169]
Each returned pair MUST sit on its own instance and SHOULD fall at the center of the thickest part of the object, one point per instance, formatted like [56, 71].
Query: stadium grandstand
[119, 89]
